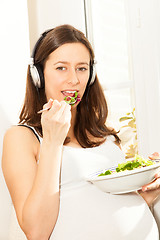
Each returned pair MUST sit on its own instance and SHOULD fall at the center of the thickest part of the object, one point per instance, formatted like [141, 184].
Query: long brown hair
[92, 111]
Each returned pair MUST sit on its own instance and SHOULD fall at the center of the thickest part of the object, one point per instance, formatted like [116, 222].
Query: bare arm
[35, 188]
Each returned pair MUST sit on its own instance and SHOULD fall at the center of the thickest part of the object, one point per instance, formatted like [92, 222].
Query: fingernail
[50, 100]
[144, 189]
[57, 103]
[157, 175]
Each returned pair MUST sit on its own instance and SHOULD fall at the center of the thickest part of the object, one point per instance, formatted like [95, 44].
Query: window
[107, 31]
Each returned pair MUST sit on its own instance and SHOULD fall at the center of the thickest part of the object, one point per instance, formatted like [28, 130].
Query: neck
[71, 130]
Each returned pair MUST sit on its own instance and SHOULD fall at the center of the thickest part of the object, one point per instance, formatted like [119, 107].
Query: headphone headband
[38, 42]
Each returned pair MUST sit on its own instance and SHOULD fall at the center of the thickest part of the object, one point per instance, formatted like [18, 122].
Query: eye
[82, 69]
[61, 68]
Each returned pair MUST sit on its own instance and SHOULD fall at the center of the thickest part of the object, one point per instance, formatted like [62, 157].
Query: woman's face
[66, 71]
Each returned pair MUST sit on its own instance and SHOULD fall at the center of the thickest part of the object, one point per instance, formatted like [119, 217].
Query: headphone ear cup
[36, 71]
[37, 75]
[92, 74]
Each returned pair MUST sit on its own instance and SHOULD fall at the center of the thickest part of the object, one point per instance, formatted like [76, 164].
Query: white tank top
[87, 213]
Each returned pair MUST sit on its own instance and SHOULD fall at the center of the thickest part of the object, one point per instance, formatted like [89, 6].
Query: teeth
[70, 91]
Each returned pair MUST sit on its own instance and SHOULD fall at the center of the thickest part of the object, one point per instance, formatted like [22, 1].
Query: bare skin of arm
[34, 188]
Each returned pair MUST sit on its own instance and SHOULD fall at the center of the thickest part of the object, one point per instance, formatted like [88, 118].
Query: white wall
[14, 49]
[144, 38]
[48, 14]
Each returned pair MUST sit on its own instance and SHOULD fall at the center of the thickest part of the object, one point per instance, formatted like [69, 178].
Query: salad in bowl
[127, 177]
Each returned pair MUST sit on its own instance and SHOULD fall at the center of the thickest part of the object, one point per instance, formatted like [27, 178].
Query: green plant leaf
[125, 126]
[124, 119]
[132, 150]
[132, 124]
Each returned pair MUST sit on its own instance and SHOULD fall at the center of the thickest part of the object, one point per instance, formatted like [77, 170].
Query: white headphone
[92, 73]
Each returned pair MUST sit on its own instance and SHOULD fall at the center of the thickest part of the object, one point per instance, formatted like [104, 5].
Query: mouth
[71, 97]
[70, 93]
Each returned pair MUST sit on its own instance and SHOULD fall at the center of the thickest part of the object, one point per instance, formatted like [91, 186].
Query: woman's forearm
[41, 208]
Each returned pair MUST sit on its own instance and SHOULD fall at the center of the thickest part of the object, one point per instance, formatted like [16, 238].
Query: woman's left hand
[152, 190]
[156, 183]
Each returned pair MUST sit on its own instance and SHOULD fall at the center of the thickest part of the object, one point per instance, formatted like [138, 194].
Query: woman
[58, 148]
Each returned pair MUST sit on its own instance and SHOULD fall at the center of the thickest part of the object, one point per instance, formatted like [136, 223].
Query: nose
[73, 77]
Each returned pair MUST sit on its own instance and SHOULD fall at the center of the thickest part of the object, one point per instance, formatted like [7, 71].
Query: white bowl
[126, 181]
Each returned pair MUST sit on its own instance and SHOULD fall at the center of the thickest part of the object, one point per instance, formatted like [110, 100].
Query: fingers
[58, 109]
[65, 111]
[155, 185]
[154, 156]
[48, 104]
[151, 186]
[64, 106]
[56, 122]
[157, 175]
[54, 108]
[51, 107]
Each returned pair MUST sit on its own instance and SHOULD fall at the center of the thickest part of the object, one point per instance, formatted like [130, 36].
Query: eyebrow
[65, 62]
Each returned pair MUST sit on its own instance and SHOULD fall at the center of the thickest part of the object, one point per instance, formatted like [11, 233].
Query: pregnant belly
[87, 213]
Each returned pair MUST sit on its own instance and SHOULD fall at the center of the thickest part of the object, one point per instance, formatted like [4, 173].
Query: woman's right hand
[56, 121]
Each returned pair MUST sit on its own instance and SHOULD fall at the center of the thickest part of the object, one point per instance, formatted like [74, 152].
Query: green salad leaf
[108, 172]
[137, 162]
[72, 100]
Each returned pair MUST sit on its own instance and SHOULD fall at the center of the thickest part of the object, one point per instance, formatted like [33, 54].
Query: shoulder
[20, 133]
[21, 137]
